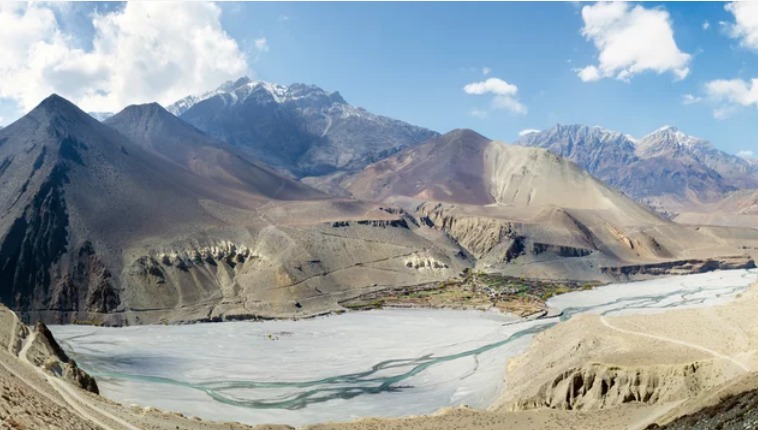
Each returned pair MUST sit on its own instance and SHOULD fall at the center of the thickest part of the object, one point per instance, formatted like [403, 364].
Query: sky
[498, 68]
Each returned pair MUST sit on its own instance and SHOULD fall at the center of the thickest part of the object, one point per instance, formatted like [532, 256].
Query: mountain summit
[300, 128]
[667, 169]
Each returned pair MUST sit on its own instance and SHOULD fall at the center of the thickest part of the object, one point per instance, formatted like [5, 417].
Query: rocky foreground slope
[42, 388]
[734, 410]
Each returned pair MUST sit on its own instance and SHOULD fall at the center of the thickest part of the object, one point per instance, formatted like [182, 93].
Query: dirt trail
[69, 394]
[717, 354]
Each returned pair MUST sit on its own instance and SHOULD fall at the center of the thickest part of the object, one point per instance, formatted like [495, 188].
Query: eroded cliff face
[278, 271]
[597, 386]
[496, 239]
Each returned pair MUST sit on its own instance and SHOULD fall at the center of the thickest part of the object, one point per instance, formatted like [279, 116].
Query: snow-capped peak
[671, 135]
[234, 92]
[670, 141]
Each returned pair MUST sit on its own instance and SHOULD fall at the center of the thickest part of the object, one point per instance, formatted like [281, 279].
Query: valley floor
[635, 370]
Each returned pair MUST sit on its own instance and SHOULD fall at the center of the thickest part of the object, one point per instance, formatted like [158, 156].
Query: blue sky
[412, 61]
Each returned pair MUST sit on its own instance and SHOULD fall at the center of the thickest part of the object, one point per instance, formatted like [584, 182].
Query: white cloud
[524, 132]
[706, 25]
[747, 153]
[729, 94]
[689, 99]
[486, 71]
[745, 26]
[261, 44]
[631, 40]
[495, 86]
[589, 74]
[503, 92]
[143, 52]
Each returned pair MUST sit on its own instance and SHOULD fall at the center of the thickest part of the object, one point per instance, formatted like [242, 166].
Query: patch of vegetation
[472, 290]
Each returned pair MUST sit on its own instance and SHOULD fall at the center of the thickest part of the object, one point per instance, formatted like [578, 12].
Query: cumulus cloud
[524, 132]
[142, 52]
[631, 40]
[745, 26]
[486, 71]
[504, 94]
[729, 94]
[747, 153]
[706, 25]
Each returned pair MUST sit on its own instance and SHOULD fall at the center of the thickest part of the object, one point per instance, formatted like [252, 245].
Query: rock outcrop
[598, 386]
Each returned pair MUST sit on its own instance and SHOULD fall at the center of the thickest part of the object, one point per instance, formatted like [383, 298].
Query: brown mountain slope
[467, 168]
[161, 133]
[96, 226]
[528, 211]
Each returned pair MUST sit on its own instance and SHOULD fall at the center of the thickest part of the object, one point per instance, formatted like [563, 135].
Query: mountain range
[316, 136]
[145, 217]
[666, 169]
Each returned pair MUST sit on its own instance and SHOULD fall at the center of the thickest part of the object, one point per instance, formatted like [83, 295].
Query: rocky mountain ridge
[299, 128]
[666, 169]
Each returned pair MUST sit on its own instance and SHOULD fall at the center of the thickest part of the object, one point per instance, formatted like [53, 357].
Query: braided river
[381, 363]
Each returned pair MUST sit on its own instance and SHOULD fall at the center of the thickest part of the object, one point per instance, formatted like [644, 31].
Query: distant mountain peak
[665, 128]
[233, 92]
[643, 168]
[148, 116]
[464, 133]
[146, 109]
[669, 137]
